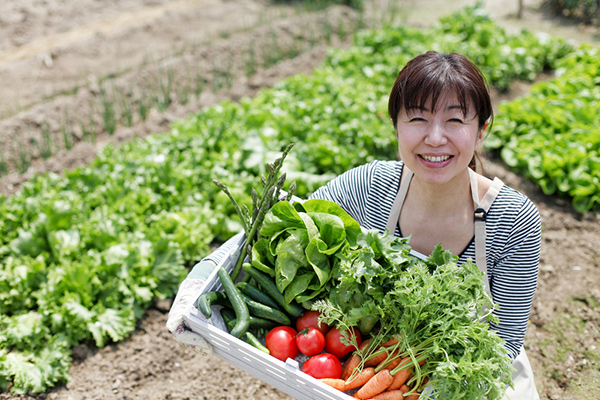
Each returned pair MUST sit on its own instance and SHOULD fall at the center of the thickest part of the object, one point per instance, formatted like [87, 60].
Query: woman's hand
[188, 292]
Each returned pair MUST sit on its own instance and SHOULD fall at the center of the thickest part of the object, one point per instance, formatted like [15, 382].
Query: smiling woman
[440, 107]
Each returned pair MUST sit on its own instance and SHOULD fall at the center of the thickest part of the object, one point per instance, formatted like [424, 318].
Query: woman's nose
[435, 136]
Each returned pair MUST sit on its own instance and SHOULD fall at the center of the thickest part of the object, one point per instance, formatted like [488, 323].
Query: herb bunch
[439, 310]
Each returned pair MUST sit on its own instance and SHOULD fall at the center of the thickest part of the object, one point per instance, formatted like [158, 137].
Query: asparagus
[251, 222]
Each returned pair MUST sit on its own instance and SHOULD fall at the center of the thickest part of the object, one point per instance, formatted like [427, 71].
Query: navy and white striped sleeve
[350, 190]
[515, 250]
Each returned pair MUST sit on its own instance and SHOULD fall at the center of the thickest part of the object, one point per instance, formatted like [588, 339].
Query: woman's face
[438, 145]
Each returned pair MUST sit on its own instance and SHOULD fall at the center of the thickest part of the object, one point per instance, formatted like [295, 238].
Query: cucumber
[229, 318]
[257, 295]
[256, 323]
[263, 311]
[261, 323]
[252, 340]
[242, 314]
[209, 298]
[294, 309]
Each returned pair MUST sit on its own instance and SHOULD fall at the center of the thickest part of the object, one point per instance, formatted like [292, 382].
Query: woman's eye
[457, 120]
[417, 119]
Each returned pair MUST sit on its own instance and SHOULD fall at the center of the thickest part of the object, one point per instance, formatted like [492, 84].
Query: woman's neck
[442, 200]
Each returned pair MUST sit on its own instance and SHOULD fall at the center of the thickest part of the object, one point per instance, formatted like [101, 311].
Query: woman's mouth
[435, 159]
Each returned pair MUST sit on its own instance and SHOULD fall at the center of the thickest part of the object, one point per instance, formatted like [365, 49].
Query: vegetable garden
[84, 255]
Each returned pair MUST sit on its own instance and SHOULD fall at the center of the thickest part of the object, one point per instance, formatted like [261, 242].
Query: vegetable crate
[285, 376]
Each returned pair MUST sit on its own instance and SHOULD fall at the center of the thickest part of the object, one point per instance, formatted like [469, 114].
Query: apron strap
[399, 201]
[481, 210]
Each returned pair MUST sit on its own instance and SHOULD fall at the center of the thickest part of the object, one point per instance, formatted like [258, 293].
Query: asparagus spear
[251, 222]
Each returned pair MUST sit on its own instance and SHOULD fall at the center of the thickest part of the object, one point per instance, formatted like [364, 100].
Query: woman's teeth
[436, 159]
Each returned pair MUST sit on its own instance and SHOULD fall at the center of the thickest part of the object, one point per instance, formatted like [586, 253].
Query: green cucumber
[294, 309]
[209, 298]
[256, 323]
[242, 314]
[264, 311]
[261, 323]
[229, 319]
[253, 340]
[257, 295]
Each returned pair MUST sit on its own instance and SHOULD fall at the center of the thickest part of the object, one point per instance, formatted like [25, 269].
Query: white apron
[524, 384]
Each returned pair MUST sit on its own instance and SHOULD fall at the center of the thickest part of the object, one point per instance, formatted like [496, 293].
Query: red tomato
[310, 341]
[334, 345]
[311, 318]
[323, 365]
[281, 342]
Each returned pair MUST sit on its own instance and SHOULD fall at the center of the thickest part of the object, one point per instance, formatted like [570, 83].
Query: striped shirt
[513, 230]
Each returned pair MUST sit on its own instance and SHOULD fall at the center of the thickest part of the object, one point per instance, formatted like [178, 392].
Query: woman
[440, 107]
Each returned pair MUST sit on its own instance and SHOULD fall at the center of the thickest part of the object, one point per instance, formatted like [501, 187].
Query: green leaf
[351, 227]
[291, 258]
[282, 216]
[111, 324]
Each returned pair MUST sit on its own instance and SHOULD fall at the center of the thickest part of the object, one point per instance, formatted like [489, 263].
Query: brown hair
[433, 75]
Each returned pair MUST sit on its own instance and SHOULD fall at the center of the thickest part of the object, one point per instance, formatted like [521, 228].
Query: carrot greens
[438, 309]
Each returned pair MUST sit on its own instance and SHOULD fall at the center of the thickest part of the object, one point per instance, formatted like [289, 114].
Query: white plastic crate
[285, 376]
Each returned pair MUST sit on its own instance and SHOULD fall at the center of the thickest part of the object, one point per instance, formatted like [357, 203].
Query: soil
[59, 59]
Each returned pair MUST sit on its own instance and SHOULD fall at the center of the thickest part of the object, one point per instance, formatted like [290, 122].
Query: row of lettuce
[84, 255]
[552, 136]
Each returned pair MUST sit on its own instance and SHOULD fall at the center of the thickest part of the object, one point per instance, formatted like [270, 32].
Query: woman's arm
[350, 190]
[514, 272]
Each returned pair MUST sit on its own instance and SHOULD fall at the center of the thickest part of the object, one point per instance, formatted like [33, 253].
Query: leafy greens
[438, 309]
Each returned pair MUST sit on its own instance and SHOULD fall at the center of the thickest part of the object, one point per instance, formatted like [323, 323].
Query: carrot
[350, 365]
[401, 376]
[404, 389]
[376, 358]
[414, 396]
[391, 395]
[390, 362]
[338, 384]
[394, 340]
[364, 344]
[377, 384]
[363, 377]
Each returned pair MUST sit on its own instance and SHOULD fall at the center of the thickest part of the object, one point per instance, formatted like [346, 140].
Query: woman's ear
[481, 132]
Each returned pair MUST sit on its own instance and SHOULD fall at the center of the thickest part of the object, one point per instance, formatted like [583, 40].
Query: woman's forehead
[445, 103]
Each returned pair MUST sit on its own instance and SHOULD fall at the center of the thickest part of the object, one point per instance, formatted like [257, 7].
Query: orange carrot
[391, 395]
[377, 384]
[364, 344]
[338, 384]
[401, 376]
[376, 358]
[361, 378]
[350, 365]
[390, 342]
[412, 396]
[390, 362]
[405, 389]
